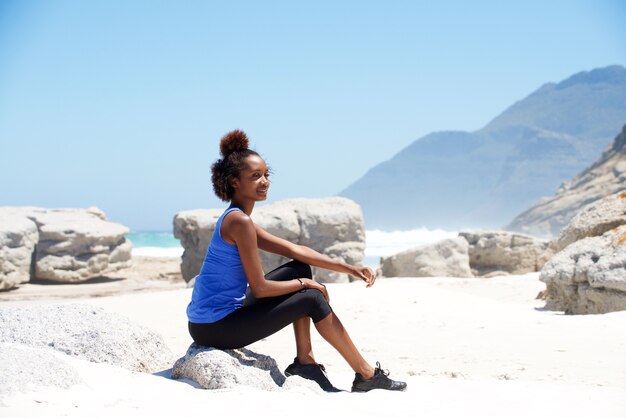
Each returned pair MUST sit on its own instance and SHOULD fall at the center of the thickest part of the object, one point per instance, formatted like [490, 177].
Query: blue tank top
[220, 288]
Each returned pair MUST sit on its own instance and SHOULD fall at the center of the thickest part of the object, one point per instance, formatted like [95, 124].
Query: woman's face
[253, 182]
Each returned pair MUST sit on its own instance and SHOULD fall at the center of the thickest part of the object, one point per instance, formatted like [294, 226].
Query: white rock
[588, 276]
[75, 245]
[594, 220]
[24, 369]
[350, 252]
[448, 257]
[326, 222]
[280, 219]
[88, 333]
[18, 237]
[609, 272]
[504, 252]
[333, 226]
[225, 369]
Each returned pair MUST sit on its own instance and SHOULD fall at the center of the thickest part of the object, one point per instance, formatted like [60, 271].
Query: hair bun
[236, 140]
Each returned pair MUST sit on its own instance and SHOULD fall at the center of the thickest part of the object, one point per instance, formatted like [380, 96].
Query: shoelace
[384, 372]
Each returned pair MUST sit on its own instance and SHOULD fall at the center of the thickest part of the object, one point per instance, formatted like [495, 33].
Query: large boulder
[75, 245]
[194, 229]
[333, 226]
[502, 252]
[594, 220]
[88, 333]
[24, 369]
[18, 237]
[448, 257]
[588, 276]
[225, 369]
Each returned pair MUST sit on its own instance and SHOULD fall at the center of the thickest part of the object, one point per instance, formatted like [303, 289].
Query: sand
[466, 347]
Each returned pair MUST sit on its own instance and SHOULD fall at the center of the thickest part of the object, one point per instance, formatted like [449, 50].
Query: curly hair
[234, 150]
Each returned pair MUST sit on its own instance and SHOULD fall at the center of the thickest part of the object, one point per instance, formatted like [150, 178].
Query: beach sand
[466, 347]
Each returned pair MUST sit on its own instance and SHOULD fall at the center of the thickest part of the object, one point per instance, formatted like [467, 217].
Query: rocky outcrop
[24, 369]
[448, 257]
[333, 226]
[603, 178]
[18, 236]
[76, 245]
[588, 275]
[594, 220]
[480, 254]
[73, 245]
[87, 333]
[500, 252]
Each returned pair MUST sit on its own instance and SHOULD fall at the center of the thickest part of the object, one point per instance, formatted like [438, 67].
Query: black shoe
[315, 372]
[379, 381]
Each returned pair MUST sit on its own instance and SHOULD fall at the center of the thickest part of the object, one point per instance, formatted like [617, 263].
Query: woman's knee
[318, 305]
[303, 269]
[290, 270]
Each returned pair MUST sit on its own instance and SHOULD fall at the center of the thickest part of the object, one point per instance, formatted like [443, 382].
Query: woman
[234, 304]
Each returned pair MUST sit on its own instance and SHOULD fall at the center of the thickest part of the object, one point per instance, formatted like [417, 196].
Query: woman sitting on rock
[226, 313]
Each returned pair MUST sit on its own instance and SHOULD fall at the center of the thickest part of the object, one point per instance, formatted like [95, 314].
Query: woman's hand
[312, 284]
[364, 273]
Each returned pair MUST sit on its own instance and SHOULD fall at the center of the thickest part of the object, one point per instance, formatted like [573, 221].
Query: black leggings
[259, 318]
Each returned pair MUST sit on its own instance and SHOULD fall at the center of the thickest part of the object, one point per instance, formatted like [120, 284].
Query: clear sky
[120, 104]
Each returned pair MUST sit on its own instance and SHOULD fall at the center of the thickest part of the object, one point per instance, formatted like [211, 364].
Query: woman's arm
[239, 228]
[276, 245]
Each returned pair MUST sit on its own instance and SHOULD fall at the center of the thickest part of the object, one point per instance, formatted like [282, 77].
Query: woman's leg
[259, 318]
[330, 328]
[253, 322]
[304, 347]
[301, 327]
[333, 331]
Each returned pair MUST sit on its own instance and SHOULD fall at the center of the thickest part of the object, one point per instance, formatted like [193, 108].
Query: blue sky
[120, 104]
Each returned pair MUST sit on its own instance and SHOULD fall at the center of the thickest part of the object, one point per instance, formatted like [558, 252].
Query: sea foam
[172, 252]
[378, 243]
[383, 244]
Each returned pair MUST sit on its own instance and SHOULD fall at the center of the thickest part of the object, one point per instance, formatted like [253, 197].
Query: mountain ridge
[606, 176]
[456, 179]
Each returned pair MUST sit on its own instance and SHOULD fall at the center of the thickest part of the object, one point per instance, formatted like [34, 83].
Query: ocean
[378, 243]
[155, 244]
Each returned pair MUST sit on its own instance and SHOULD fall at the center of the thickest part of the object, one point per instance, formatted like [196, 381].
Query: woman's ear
[234, 182]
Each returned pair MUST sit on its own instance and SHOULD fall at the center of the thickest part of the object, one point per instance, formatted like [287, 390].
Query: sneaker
[379, 381]
[315, 372]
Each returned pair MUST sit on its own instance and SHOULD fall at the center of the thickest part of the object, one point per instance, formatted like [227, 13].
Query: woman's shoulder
[236, 225]
[237, 219]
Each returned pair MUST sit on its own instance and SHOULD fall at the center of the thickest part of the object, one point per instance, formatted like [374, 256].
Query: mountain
[457, 179]
[604, 177]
